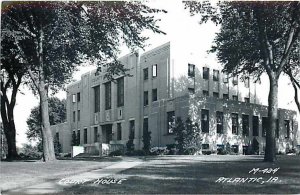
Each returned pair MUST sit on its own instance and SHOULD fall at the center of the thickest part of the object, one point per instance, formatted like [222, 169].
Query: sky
[181, 29]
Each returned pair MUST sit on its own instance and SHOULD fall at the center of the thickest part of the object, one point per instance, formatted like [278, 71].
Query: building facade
[163, 86]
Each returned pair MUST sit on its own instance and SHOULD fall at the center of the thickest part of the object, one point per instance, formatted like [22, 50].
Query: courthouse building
[164, 86]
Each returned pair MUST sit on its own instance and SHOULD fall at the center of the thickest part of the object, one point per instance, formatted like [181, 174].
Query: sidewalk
[57, 185]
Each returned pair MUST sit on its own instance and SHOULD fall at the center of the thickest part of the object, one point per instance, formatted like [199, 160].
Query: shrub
[172, 149]
[135, 153]
[222, 151]
[159, 151]
[116, 153]
[206, 152]
[130, 144]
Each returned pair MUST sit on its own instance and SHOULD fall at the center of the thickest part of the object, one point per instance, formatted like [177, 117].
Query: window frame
[146, 98]
[154, 71]
[216, 75]
[107, 87]
[234, 123]
[154, 95]
[220, 123]
[204, 122]
[191, 70]
[146, 73]
[120, 92]
[205, 73]
[119, 131]
[245, 124]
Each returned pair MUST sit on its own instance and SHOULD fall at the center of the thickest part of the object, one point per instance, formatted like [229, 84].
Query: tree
[130, 144]
[254, 38]
[55, 37]
[57, 114]
[187, 136]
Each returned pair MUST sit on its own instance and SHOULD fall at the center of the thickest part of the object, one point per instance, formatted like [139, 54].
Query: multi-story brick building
[163, 86]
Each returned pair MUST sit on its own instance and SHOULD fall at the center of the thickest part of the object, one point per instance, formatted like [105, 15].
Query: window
[145, 73]
[255, 123]
[171, 121]
[154, 70]
[78, 137]
[74, 116]
[120, 92]
[215, 75]
[97, 99]
[131, 127]
[73, 98]
[264, 126]
[154, 95]
[85, 136]
[191, 70]
[205, 93]
[247, 100]
[205, 73]
[205, 146]
[235, 80]
[235, 97]
[215, 94]
[78, 97]
[245, 124]
[247, 82]
[78, 115]
[220, 120]
[95, 134]
[204, 121]
[107, 95]
[225, 79]
[235, 123]
[287, 127]
[225, 96]
[146, 98]
[145, 126]
[119, 131]
[191, 90]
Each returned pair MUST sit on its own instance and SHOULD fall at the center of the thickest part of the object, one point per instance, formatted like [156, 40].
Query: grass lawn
[22, 173]
[198, 175]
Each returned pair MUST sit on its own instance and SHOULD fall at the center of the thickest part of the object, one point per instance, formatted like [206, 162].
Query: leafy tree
[187, 136]
[57, 114]
[147, 141]
[52, 38]
[255, 37]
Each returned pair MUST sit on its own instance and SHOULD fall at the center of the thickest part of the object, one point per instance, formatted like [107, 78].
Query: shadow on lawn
[199, 176]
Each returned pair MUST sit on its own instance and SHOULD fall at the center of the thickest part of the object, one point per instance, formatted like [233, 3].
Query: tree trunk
[7, 115]
[48, 146]
[272, 117]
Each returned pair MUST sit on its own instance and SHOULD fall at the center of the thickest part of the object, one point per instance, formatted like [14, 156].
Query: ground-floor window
[95, 134]
[245, 120]
[255, 125]
[131, 127]
[235, 123]
[204, 121]
[220, 119]
[78, 137]
[85, 136]
[119, 131]
[287, 128]
[170, 121]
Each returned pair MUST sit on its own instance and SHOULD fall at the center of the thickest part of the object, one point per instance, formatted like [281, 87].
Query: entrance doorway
[106, 133]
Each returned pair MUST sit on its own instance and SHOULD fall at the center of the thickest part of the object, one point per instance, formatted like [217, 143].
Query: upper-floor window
[205, 73]
[225, 78]
[216, 75]
[107, 95]
[74, 116]
[170, 122]
[255, 123]
[204, 121]
[120, 92]
[205, 93]
[73, 98]
[235, 80]
[235, 97]
[145, 73]
[78, 115]
[97, 99]
[78, 97]
[119, 131]
[245, 124]
[154, 70]
[247, 82]
[191, 70]
[146, 100]
[235, 123]
[220, 118]
[215, 94]
[154, 95]
[287, 127]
